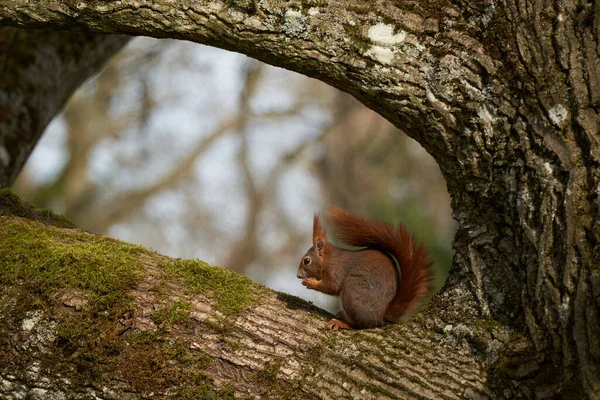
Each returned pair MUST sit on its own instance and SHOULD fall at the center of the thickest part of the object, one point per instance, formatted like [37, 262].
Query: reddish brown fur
[415, 267]
[366, 280]
[318, 230]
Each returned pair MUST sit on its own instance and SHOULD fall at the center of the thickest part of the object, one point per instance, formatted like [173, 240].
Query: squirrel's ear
[318, 230]
[319, 236]
[319, 245]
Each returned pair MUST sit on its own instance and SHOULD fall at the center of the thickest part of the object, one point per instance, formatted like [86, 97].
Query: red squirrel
[371, 290]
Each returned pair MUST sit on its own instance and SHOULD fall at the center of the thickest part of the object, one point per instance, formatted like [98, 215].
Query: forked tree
[505, 95]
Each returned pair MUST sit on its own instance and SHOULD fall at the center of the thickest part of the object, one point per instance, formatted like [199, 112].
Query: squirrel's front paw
[310, 283]
[336, 324]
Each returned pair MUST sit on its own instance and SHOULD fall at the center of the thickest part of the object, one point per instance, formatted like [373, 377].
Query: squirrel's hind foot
[336, 324]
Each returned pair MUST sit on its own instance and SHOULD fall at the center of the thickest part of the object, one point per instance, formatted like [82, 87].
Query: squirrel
[371, 291]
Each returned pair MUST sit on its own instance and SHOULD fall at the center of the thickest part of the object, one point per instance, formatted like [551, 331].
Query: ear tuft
[318, 230]
[319, 235]
[319, 245]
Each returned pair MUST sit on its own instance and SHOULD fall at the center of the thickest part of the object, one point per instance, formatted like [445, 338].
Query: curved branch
[410, 63]
[504, 97]
[153, 326]
[38, 72]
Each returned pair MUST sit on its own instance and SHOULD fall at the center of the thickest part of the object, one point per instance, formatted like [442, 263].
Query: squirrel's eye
[306, 261]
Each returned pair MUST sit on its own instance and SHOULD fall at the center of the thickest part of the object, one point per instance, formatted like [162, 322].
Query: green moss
[11, 205]
[360, 9]
[151, 361]
[175, 313]
[46, 258]
[488, 324]
[205, 391]
[220, 325]
[355, 33]
[43, 258]
[402, 346]
[39, 262]
[195, 384]
[294, 302]
[232, 345]
[268, 375]
[232, 293]
[180, 352]
[88, 341]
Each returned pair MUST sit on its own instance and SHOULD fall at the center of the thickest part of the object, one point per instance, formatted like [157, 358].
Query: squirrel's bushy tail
[415, 267]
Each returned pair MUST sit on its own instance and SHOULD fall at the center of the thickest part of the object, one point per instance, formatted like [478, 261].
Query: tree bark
[70, 339]
[39, 70]
[504, 95]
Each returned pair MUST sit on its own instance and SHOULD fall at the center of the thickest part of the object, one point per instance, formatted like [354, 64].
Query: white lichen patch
[295, 22]
[383, 34]
[558, 114]
[312, 11]
[236, 16]
[381, 54]
[486, 121]
[485, 115]
[38, 393]
[564, 309]
[433, 100]
[31, 321]
[39, 331]
[34, 368]
[213, 7]
[253, 21]
[6, 386]
[384, 39]
[351, 351]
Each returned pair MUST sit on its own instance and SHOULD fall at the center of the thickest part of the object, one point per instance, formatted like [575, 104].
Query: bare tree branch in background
[504, 96]
[244, 251]
[88, 122]
[369, 167]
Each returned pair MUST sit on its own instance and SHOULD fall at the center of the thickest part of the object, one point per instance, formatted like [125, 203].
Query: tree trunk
[505, 96]
[39, 71]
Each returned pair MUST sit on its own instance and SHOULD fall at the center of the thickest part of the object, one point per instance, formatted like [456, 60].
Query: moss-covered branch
[504, 97]
[85, 315]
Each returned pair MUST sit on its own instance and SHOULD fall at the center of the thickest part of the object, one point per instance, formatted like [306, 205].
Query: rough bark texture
[165, 334]
[505, 96]
[39, 71]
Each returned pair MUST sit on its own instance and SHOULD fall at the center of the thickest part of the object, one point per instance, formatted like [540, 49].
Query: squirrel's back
[415, 267]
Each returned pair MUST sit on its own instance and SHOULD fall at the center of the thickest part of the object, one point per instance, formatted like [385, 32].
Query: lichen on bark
[84, 315]
[506, 100]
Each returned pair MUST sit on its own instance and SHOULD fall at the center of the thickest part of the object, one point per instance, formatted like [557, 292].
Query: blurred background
[196, 152]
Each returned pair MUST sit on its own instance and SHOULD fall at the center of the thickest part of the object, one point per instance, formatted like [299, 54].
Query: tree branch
[344, 44]
[181, 328]
[38, 72]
